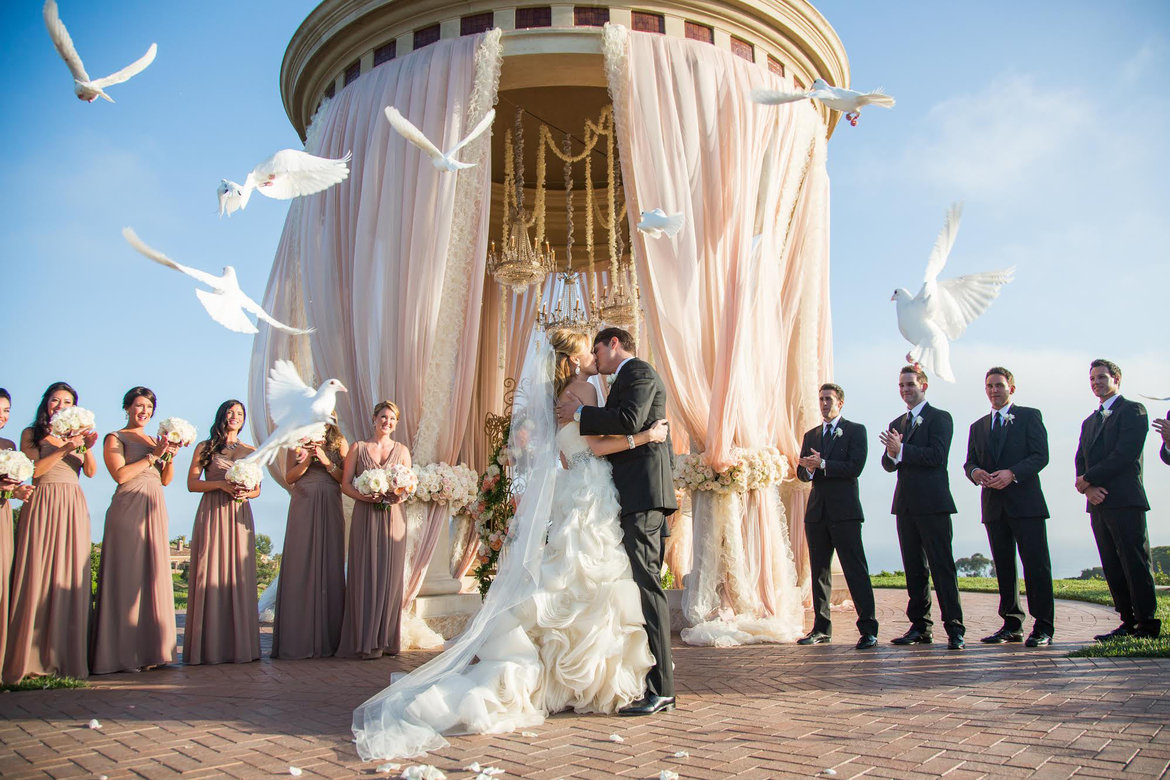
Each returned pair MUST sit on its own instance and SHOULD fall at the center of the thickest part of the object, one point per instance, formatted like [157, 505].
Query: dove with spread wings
[290, 173]
[942, 310]
[84, 87]
[849, 102]
[225, 301]
[444, 161]
[297, 410]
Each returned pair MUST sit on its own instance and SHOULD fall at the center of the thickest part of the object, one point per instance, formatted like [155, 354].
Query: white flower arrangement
[70, 421]
[14, 466]
[373, 482]
[246, 475]
[837, 432]
[1009, 418]
[1106, 412]
[749, 470]
[917, 421]
[176, 430]
[440, 483]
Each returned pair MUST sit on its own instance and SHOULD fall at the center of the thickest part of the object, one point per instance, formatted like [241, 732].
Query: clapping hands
[811, 462]
[892, 441]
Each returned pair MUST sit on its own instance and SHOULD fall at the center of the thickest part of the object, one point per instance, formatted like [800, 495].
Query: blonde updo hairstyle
[385, 405]
[566, 343]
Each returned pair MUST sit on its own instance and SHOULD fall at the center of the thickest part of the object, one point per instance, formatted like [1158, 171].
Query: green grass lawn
[1093, 591]
[45, 683]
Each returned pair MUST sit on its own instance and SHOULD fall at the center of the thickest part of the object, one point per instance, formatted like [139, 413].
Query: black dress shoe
[1003, 635]
[1038, 639]
[1120, 632]
[867, 641]
[649, 705]
[956, 642]
[815, 637]
[914, 637]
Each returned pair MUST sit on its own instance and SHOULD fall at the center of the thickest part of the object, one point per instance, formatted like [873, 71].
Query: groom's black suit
[645, 483]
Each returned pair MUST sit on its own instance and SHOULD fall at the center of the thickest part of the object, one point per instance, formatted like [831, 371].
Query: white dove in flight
[225, 302]
[84, 87]
[942, 310]
[290, 173]
[840, 99]
[1154, 398]
[443, 161]
[655, 223]
[297, 410]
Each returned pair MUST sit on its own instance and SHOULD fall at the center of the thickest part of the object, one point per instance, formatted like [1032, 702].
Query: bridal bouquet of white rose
[70, 421]
[440, 483]
[14, 466]
[373, 482]
[246, 475]
[176, 430]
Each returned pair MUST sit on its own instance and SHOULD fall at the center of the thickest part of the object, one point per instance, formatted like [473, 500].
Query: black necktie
[909, 421]
[1101, 412]
[826, 436]
[997, 421]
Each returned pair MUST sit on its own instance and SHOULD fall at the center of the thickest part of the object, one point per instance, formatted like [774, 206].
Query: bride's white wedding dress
[576, 641]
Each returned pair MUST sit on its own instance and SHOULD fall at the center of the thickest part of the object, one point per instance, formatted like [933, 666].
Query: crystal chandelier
[520, 262]
[567, 310]
[619, 302]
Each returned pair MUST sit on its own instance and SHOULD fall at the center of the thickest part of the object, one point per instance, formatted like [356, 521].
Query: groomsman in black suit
[917, 445]
[832, 457]
[1163, 428]
[1109, 473]
[1006, 451]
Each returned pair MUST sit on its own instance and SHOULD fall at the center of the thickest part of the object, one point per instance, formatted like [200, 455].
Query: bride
[561, 627]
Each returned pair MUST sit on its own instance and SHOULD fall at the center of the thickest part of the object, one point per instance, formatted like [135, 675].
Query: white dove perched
[840, 99]
[942, 310]
[298, 410]
[225, 302]
[444, 161]
[655, 223]
[84, 87]
[290, 173]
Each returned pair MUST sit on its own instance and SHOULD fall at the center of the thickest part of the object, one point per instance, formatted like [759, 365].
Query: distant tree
[1160, 557]
[95, 560]
[267, 565]
[974, 566]
[1095, 573]
[263, 544]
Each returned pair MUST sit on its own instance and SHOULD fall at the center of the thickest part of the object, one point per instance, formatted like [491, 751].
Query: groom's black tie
[826, 437]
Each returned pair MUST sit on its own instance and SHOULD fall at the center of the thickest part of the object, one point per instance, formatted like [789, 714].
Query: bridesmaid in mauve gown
[374, 578]
[223, 624]
[134, 615]
[48, 613]
[18, 491]
[310, 595]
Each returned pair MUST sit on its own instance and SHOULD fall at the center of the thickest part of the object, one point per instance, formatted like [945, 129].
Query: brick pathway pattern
[766, 711]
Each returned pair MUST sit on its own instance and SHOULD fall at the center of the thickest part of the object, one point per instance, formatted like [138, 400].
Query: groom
[645, 485]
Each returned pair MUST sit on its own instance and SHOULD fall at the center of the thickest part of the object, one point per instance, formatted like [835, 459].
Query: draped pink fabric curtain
[741, 338]
[367, 262]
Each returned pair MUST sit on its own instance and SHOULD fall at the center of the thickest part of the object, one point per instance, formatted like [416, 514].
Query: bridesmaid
[223, 624]
[134, 617]
[48, 614]
[377, 548]
[310, 595]
[21, 492]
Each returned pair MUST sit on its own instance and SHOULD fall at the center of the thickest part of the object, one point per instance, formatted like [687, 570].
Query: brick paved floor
[752, 712]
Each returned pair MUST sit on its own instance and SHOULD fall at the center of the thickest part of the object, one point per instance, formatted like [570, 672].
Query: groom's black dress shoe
[956, 642]
[815, 637]
[914, 637]
[1003, 635]
[867, 641]
[1038, 639]
[649, 705]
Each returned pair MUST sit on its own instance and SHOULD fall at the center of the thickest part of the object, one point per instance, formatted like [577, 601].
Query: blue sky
[1047, 119]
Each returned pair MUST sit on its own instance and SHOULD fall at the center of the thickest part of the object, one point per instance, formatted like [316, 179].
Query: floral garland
[439, 483]
[492, 513]
[750, 470]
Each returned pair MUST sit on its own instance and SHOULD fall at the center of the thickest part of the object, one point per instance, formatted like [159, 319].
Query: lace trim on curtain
[439, 379]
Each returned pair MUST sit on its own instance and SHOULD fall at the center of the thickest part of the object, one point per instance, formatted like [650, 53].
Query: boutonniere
[1009, 418]
[610, 379]
[837, 433]
[1106, 412]
[917, 421]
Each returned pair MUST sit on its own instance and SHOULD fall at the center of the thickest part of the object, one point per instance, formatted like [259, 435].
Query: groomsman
[917, 445]
[1006, 451]
[1109, 473]
[1163, 428]
[832, 457]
